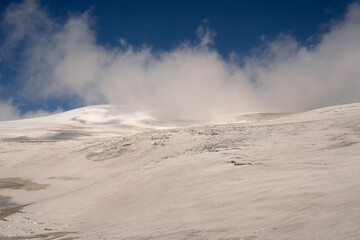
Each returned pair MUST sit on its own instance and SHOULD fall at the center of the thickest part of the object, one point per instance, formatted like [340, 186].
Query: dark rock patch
[239, 163]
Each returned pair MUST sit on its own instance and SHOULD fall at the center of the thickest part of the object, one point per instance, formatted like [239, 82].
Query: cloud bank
[192, 81]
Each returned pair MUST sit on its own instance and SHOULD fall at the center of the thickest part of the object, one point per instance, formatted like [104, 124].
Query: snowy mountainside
[97, 173]
[86, 121]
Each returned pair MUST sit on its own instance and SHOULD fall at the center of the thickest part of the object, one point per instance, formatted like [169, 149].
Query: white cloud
[39, 113]
[8, 111]
[206, 36]
[190, 81]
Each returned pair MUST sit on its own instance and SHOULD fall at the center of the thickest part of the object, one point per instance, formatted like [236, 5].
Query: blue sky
[156, 54]
[239, 24]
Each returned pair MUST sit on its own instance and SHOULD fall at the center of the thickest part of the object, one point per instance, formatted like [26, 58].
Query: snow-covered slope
[98, 114]
[86, 121]
[105, 172]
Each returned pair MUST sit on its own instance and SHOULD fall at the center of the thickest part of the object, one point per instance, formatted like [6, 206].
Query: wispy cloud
[10, 111]
[191, 81]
